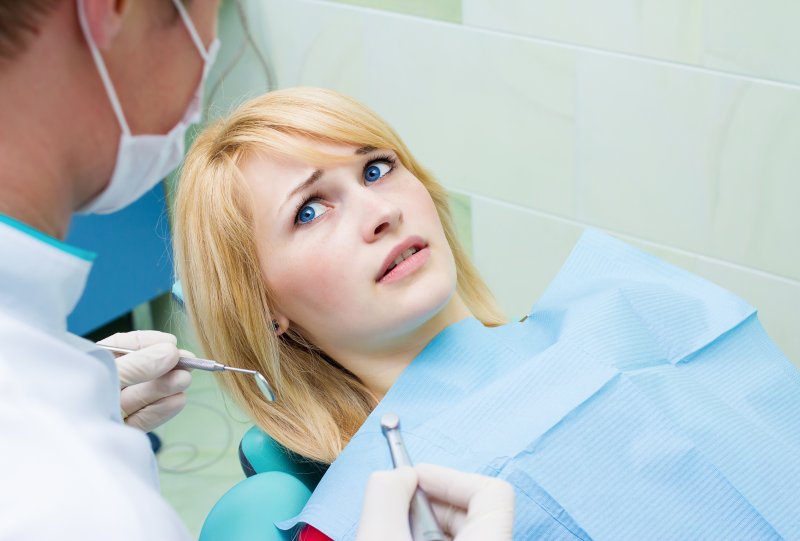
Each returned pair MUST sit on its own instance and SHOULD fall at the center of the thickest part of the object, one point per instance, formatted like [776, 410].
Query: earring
[275, 325]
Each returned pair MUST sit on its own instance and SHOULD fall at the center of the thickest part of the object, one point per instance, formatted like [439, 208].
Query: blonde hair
[319, 405]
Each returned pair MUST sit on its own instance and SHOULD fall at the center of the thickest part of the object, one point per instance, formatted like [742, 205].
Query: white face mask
[144, 160]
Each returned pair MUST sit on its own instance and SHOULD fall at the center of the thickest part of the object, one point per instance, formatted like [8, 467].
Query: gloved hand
[469, 507]
[152, 389]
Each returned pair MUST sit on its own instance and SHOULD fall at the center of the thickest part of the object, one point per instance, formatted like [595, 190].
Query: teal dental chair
[278, 484]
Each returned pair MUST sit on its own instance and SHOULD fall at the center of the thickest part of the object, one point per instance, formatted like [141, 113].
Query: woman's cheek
[321, 277]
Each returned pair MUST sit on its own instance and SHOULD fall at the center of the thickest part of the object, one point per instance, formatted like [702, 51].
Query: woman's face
[354, 252]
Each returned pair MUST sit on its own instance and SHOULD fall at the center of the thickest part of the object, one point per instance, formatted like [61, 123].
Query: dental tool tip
[263, 385]
[390, 421]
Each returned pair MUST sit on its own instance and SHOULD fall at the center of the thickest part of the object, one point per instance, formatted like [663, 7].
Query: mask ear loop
[101, 68]
[187, 22]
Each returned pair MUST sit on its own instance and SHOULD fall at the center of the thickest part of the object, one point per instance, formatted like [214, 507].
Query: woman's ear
[280, 324]
[104, 18]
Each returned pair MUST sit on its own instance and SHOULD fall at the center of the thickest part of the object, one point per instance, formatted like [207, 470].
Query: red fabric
[309, 533]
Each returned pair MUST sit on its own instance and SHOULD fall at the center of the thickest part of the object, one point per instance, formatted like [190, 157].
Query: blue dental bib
[637, 401]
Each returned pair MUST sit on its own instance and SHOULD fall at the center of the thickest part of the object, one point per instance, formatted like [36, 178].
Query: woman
[266, 264]
[315, 249]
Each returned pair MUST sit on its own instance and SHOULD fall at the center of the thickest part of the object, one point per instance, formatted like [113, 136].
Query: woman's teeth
[402, 257]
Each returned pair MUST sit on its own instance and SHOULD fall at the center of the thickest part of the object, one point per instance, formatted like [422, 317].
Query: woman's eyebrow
[315, 176]
[307, 183]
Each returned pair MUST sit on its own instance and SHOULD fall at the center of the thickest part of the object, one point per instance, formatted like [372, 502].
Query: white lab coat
[69, 467]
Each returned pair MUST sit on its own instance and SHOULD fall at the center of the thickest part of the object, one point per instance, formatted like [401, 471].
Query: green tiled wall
[443, 10]
[461, 209]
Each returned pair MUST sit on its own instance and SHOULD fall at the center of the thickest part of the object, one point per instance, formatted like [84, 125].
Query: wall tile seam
[626, 236]
[376, 11]
[671, 64]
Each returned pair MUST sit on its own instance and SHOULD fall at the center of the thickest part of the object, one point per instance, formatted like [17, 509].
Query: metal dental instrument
[424, 526]
[211, 366]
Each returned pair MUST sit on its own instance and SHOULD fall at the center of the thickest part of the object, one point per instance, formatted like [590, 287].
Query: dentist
[96, 98]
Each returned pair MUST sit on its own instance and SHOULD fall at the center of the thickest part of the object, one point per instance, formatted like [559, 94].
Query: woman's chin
[419, 313]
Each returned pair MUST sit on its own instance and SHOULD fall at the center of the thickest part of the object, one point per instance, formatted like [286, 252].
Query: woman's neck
[379, 370]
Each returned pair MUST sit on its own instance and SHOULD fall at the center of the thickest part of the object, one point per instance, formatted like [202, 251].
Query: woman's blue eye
[310, 212]
[376, 170]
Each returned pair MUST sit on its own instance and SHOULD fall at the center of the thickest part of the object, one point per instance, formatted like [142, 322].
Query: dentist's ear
[105, 19]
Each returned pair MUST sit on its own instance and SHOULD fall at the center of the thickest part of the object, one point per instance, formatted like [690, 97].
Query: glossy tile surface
[699, 162]
[485, 113]
[461, 210]
[758, 39]
[518, 252]
[444, 10]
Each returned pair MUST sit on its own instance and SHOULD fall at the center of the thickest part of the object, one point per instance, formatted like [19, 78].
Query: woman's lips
[414, 241]
[407, 266]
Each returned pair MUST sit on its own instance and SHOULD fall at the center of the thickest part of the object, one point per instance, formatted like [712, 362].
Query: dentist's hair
[19, 23]
[319, 405]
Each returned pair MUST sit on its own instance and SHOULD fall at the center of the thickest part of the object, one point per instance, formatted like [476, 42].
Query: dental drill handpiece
[424, 526]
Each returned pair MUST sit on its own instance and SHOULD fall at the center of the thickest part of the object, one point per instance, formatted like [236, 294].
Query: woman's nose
[380, 215]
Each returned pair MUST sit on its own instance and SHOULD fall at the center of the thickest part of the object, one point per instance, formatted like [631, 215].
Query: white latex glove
[469, 507]
[151, 388]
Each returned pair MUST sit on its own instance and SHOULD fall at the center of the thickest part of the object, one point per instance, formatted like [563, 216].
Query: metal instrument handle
[200, 364]
[183, 362]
